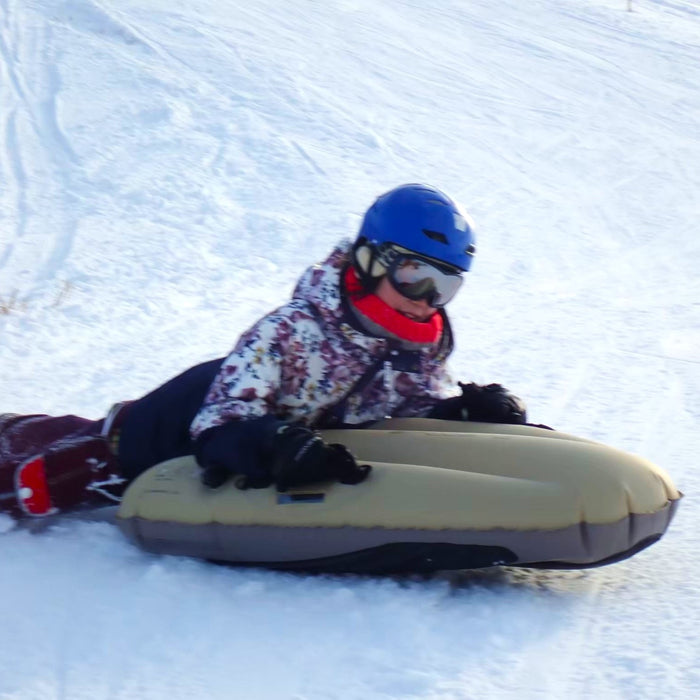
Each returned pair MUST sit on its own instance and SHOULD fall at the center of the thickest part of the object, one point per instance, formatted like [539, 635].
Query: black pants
[156, 427]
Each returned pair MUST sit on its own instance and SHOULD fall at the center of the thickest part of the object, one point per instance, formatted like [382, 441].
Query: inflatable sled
[442, 495]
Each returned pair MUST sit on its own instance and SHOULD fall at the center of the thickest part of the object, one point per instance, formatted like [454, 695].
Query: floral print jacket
[310, 356]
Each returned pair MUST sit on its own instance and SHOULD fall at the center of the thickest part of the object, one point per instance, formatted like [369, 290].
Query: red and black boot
[55, 464]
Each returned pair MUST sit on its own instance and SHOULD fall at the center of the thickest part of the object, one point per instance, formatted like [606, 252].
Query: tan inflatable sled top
[542, 495]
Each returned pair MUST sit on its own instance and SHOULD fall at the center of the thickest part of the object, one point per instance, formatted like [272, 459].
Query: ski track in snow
[167, 171]
[30, 63]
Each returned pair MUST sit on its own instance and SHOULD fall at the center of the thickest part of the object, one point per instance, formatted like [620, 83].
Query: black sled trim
[398, 558]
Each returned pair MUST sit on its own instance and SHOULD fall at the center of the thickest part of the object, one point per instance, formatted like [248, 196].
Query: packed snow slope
[167, 170]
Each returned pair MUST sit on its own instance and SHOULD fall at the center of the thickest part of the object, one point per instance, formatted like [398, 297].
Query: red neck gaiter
[379, 313]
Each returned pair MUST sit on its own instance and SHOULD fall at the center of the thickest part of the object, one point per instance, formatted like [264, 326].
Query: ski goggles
[416, 278]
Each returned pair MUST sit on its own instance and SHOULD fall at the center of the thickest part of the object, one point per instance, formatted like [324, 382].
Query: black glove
[237, 448]
[492, 403]
[263, 451]
[300, 456]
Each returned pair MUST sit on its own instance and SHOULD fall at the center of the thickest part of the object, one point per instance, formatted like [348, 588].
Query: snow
[168, 169]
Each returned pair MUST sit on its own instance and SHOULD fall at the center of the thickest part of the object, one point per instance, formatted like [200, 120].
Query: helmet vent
[435, 236]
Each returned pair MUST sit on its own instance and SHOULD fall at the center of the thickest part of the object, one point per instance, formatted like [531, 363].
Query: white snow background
[168, 169]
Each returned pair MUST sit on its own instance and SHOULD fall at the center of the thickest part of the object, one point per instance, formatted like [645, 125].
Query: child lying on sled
[365, 336]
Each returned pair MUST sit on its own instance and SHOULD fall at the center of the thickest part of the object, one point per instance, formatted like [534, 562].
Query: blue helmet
[421, 219]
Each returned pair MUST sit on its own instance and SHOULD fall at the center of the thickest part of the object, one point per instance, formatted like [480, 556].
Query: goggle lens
[416, 278]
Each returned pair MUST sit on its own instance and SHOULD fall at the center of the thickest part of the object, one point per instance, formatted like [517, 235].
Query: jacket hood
[319, 285]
